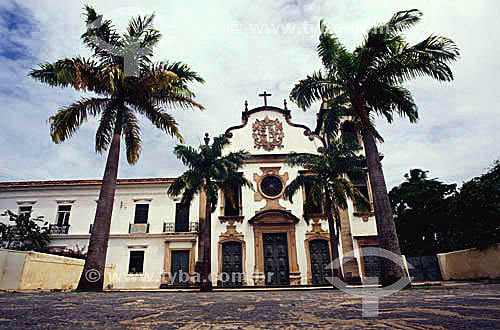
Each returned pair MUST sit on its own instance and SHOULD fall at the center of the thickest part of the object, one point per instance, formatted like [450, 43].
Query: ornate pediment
[267, 134]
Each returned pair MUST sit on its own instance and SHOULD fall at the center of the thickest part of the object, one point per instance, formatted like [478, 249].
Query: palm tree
[118, 99]
[208, 172]
[371, 78]
[326, 182]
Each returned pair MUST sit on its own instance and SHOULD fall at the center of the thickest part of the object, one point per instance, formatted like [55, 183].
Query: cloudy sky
[241, 49]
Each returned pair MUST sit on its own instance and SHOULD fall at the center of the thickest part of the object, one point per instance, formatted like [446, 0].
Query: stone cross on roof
[265, 95]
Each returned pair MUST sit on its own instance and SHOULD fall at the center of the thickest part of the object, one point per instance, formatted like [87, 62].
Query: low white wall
[20, 270]
[471, 264]
[11, 269]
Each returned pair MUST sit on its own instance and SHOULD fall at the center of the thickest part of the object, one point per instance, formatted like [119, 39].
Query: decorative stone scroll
[267, 134]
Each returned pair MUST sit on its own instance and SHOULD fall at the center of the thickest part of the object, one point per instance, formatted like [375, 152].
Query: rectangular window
[232, 201]
[25, 209]
[181, 218]
[312, 204]
[141, 213]
[362, 185]
[136, 263]
[63, 215]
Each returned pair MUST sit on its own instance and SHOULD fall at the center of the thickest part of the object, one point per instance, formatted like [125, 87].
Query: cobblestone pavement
[465, 307]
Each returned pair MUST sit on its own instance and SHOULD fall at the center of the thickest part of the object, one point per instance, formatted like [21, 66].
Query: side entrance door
[231, 264]
[277, 271]
[180, 268]
[320, 261]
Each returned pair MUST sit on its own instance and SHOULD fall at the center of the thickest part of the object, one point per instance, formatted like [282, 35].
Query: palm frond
[79, 73]
[337, 109]
[329, 48]
[140, 25]
[300, 182]
[67, 120]
[101, 38]
[189, 181]
[360, 201]
[188, 155]
[172, 98]
[219, 143]
[430, 57]
[387, 99]
[105, 130]
[131, 132]
[158, 117]
[178, 92]
[211, 194]
[182, 70]
[303, 160]
[404, 20]
[313, 88]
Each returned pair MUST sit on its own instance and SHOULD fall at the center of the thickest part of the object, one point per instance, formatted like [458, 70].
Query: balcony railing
[58, 230]
[138, 228]
[169, 227]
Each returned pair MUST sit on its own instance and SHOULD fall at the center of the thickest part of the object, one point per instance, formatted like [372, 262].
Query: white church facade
[153, 237]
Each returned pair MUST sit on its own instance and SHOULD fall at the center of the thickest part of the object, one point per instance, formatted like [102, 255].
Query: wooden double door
[232, 267]
[276, 266]
[179, 274]
[319, 252]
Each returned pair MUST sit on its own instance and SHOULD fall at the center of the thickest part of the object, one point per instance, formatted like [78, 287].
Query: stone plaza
[450, 306]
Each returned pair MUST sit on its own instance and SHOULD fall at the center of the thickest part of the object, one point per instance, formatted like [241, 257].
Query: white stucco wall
[83, 199]
[83, 205]
[293, 140]
[359, 226]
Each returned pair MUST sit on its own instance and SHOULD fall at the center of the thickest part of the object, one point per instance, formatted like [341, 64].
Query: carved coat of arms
[267, 134]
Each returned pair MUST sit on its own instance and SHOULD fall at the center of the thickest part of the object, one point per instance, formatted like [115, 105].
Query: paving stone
[464, 307]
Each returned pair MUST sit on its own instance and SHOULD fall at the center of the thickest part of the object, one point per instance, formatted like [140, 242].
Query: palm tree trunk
[92, 278]
[333, 236]
[206, 241]
[388, 238]
[201, 227]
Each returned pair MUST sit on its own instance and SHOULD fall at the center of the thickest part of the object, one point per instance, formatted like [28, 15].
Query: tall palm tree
[326, 182]
[208, 172]
[371, 78]
[116, 100]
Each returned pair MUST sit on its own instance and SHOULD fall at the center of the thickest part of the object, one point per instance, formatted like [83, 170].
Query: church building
[262, 239]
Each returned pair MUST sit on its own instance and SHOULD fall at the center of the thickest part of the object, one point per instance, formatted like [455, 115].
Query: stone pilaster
[350, 264]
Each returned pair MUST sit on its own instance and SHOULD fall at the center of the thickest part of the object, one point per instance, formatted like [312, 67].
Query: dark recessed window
[141, 213]
[349, 134]
[313, 201]
[136, 264]
[361, 183]
[271, 186]
[25, 209]
[232, 201]
[63, 215]
[181, 218]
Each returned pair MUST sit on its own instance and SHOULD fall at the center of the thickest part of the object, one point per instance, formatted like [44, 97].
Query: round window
[271, 186]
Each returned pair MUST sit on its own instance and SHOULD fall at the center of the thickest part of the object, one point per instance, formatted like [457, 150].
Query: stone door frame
[269, 222]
